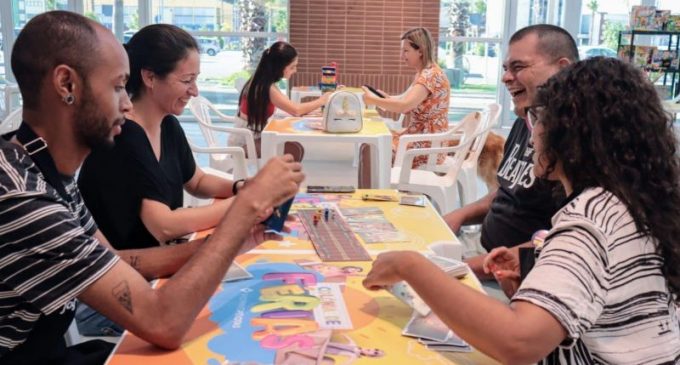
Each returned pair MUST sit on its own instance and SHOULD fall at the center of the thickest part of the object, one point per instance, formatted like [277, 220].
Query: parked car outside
[208, 45]
[594, 51]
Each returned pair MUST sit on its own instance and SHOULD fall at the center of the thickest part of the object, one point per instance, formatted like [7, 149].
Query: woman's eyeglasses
[532, 113]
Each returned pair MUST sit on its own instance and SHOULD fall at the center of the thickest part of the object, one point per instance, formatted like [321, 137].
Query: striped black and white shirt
[602, 280]
[48, 254]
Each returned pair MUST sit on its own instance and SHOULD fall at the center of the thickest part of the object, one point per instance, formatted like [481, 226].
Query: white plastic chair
[467, 176]
[201, 108]
[428, 179]
[233, 158]
[11, 122]
[394, 125]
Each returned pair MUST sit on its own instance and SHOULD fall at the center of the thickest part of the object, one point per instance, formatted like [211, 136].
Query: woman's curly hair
[605, 124]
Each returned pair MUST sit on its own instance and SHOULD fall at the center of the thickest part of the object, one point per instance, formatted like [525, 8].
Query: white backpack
[342, 113]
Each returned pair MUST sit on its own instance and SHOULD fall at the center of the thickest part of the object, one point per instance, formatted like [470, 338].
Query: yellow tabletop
[373, 125]
[237, 325]
[421, 225]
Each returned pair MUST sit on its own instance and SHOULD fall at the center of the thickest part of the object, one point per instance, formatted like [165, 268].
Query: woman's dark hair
[157, 48]
[605, 124]
[256, 91]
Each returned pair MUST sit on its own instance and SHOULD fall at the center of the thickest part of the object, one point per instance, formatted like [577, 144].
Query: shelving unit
[669, 74]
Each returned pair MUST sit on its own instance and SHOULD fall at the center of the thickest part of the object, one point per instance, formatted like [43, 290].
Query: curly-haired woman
[608, 273]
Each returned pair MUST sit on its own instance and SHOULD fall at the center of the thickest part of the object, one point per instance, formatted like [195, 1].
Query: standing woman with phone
[426, 101]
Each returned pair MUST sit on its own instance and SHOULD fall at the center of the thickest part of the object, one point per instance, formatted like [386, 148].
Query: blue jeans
[92, 323]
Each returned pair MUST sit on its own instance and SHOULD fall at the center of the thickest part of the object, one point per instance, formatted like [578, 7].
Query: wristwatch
[235, 187]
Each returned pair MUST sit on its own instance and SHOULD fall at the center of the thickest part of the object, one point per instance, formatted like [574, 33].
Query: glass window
[24, 10]
[232, 35]
[226, 53]
[469, 52]
[121, 17]
[672, 5]
[601, 22]
[3, 80]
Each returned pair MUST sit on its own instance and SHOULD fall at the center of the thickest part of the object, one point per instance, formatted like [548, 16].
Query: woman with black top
[135, 189]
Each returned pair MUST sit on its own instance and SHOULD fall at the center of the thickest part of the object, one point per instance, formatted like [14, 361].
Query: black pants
[93, 352]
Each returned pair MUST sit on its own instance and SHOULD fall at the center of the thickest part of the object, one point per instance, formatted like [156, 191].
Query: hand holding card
[406, 294]
[278, 218]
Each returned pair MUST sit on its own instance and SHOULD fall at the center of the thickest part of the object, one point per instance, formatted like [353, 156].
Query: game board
[294, 306]
[331, 236]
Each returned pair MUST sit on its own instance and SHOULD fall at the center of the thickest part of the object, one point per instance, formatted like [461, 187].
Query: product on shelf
[661, 18]
[642, 17]
[664, 59]
[673, 23]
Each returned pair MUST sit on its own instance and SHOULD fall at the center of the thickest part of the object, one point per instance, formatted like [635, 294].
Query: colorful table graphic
[295, 310]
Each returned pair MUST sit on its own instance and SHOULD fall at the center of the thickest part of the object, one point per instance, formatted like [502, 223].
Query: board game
[295, 310]
[331, 236]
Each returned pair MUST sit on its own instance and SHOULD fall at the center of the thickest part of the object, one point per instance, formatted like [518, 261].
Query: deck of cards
[278, 218]
[414, 200]
[433, 333]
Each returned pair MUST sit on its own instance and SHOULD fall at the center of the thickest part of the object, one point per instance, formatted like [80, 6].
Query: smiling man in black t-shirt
[522, 204]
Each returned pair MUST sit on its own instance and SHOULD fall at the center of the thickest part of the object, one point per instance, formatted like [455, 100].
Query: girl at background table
[260, 96]
[425, 102]
[608, 273]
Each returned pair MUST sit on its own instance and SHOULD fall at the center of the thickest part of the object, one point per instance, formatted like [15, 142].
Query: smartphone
[278, 218]
[414, 200]
[373, 90]
[330, 189]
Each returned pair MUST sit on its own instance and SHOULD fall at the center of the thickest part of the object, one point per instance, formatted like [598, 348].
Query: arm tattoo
[122, 293]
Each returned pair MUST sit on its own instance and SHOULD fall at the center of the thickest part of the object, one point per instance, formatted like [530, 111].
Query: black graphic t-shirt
[524, 204]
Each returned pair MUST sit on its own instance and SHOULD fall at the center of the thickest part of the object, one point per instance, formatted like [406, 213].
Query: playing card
[236, 272]
[427, 327]
[278, 218]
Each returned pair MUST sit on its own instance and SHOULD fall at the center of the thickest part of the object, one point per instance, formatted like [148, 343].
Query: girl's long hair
[269, 71]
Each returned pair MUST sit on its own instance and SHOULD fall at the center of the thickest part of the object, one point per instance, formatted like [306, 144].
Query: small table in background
[299, 129]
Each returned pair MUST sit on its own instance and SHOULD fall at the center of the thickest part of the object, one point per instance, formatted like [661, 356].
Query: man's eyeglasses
[532, 113]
